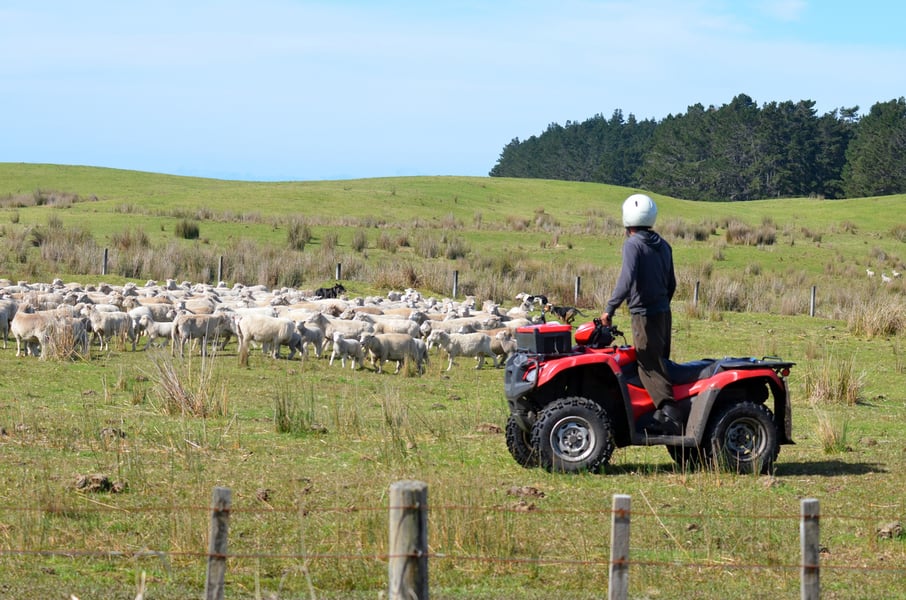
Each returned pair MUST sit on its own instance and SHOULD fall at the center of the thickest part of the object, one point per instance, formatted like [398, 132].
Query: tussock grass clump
[833, 381]
[680, 229]
[428, 246]
[899, 232]
[743, 234]
[455, 248]
[130, 240]
[67, 340]
[831, 435]
[359, 240]
[182, 389]
[294, 414]
[884, 316]
[330, 241]
[187, 230]
[298, 234]
[42, 198]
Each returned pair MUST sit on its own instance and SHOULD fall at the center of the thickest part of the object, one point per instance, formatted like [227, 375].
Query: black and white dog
[566, 313]
[530, 300]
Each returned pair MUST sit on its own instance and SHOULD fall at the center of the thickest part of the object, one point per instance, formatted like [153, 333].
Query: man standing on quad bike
[646, 283]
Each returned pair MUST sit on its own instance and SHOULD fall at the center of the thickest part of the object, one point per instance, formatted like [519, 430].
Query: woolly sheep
[271, 332]
[347, 348]
[390, 346]
[463, 344]
[502, 345]
[310, 335]
[30, 330]
[206, 328]
[106, 325]
[154, 329]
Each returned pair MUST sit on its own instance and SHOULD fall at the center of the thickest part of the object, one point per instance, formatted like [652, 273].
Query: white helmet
[639, 210]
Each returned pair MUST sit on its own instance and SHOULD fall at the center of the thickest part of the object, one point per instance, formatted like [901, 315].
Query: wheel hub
[743, 438]
[573, 439]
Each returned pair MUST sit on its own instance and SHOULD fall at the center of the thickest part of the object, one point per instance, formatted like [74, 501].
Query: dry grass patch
[833, 380]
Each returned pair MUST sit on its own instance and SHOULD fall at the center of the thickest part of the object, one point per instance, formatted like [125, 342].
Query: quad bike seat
[691, 371]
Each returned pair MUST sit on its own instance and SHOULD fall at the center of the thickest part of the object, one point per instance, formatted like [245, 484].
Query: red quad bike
[570, 406]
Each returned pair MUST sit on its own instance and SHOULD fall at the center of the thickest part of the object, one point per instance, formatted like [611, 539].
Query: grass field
[310, 450]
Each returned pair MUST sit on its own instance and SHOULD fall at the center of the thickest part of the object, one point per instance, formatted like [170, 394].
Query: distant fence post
[811, 304]
[217, 546]
[104, 263]
[618, 584]
[339, 271]
[455, 284]
[408, 563]
[695, 294]
[809, 536]
[220, 269]
[577, 290]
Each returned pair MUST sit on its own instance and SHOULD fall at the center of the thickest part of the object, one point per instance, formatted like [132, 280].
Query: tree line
[739, 151]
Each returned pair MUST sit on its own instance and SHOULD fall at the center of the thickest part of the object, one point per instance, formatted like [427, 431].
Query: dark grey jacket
[647, 280]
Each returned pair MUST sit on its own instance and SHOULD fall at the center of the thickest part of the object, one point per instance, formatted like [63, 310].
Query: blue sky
[314, 90]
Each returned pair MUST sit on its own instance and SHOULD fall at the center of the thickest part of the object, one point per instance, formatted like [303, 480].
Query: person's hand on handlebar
[605, 319]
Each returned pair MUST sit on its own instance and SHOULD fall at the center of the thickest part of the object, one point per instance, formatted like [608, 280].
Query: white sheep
[310, 335]
[463, 344]
[348, 327]
[391, 324]
[206, 328]
[271, 332]
[106, 325]
[382, 347]
[31, 329]
[502, 345]
[886, 278]
[154, 329]
[421, 352]
[870, 272]
[347, 348]
[8, 309]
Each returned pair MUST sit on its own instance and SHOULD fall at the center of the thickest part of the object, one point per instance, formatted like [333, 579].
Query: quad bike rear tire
[519, 443]
[573, 435]
[742, 438]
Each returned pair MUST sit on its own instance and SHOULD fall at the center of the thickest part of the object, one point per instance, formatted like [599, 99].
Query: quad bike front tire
[573, 435]
[519, 443]
[742, 438]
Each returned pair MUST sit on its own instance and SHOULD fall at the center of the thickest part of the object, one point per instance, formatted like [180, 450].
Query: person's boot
[670, 417]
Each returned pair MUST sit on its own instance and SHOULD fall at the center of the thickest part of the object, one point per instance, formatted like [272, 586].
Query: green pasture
[310, 450]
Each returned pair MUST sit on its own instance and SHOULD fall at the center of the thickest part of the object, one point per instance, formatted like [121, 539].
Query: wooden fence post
[808, 536]
[104, 264]
[408, 563]
[618, 582]
[577, 290]
[455, 284]
[695, 294]
[220, 269]
[339, 272]
[811, 304]
[217, 546]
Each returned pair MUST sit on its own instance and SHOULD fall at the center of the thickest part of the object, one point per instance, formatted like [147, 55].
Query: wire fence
[407, 554]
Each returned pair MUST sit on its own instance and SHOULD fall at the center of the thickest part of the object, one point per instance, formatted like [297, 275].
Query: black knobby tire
[742, 438]
[519, 443]
[573, 435]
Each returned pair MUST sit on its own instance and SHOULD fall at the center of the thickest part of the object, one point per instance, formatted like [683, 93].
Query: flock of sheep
[60, 318]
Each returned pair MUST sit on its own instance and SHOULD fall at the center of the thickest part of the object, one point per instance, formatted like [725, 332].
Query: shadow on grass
[827, 468]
